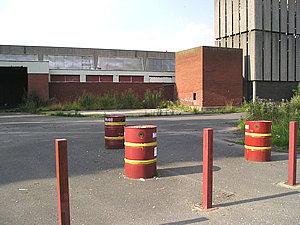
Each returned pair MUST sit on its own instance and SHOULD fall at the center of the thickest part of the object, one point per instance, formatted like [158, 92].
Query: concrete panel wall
[271, 55]
[283, 57]
[243, 13]
[291, 58]
[283, 16]
[218, 43]
[275, 56]
[275, 16]
[236, 15]
[223, 20]
[236, 41]
[217, 19]
[224, 43]
[267, 57]
[267, 15]
[298, 58]
[298, 17]
[255, 14]
[258, 55]
[291, 17]
[229, 16]
[229, 42]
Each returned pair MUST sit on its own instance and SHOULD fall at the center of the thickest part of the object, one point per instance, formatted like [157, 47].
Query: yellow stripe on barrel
[150, 144]
[257, 148]
[140, 162]
[114, 138]
[258, 134]
[115, 123]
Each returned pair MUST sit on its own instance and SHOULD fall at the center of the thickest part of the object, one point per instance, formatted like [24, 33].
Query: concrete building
[268, 31]
[65, 73]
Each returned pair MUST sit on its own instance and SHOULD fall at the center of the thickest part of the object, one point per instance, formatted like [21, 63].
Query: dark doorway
[13, 85]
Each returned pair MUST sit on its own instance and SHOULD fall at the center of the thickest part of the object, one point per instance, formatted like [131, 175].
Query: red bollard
[62, 181]
[207, 169]
[292, 153]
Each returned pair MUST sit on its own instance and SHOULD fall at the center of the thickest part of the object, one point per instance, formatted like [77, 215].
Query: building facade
[209, 77]
[268, 31]
[65, 73]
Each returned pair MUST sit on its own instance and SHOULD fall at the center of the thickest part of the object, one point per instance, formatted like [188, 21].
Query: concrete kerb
[127, 112]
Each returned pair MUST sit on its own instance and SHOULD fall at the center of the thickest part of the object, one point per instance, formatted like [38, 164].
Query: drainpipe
[253, 91]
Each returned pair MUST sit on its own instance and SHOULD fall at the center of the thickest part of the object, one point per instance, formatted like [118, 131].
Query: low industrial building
[65, 73]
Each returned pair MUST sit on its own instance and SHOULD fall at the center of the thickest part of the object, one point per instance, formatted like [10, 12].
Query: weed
[152, 99]
[279, 113]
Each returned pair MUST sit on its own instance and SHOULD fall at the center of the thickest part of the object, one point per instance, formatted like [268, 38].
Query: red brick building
[209, 77]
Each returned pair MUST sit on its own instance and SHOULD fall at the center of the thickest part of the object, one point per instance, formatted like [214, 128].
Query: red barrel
[114, 131]
[140, 151]
[258, 137]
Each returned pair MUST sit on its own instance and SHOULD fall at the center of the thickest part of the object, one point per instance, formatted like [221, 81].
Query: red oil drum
[114, 131]
[258, 137]
[140, 151]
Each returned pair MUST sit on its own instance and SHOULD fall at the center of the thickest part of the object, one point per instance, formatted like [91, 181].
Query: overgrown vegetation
[127, 100]
[33, 102]
[279, 113]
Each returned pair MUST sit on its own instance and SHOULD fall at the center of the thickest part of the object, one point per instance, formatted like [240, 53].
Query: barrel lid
[259, 121]
[141, 127]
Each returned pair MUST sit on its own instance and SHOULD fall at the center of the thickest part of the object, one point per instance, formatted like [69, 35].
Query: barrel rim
[259, 121]
[141, 127]
[114, 116]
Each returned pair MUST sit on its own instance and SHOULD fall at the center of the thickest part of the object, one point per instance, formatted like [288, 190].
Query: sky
[152, 25]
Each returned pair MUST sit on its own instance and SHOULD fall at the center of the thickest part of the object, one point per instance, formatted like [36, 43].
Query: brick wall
[189, 76]
[223, 81]
[39, 83]
[67, 92]
[209, 76]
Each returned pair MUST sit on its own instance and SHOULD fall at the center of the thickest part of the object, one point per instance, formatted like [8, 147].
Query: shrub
[129, 100]
[87, 101]
[152, 100]
[33, 102]
[109, 101]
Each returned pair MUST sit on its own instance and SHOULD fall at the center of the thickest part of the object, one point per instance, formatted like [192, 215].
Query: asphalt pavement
[245, 192]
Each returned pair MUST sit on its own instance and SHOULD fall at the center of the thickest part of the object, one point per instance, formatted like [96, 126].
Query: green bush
[152, 99]
[87, 101]
[33, 102]
[129, 100]
[109, 101]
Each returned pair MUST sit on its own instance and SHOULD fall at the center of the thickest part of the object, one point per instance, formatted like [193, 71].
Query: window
[65, 78]
[131, 79]
[99, 78]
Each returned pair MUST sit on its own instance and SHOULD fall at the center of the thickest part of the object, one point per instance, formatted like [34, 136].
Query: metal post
[62, 181]
[207, 168]
[292, 153]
